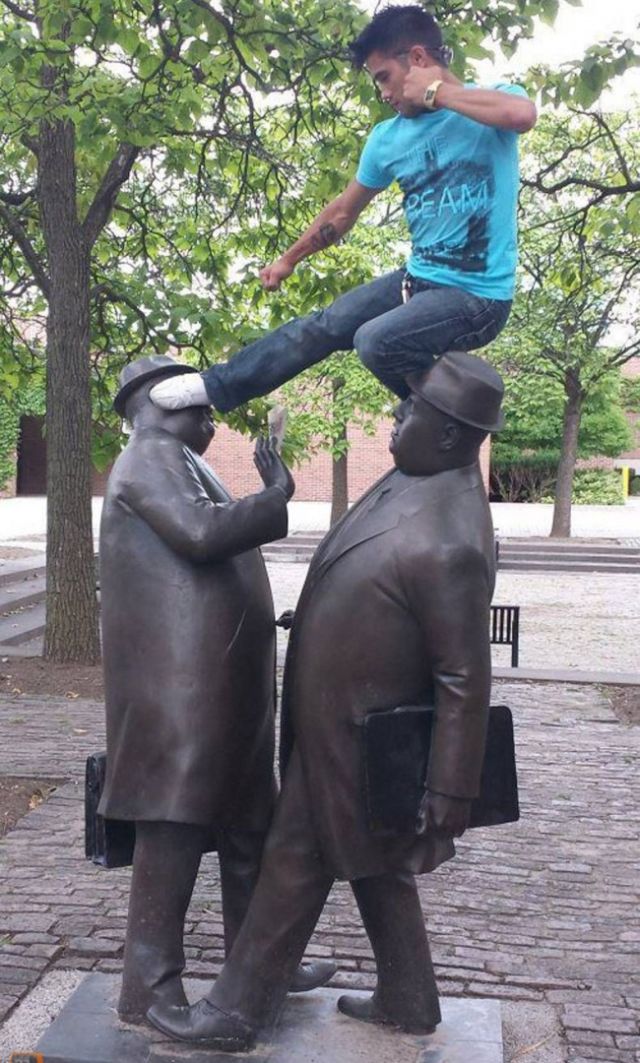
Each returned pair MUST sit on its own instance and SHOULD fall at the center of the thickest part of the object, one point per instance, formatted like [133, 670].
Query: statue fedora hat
[463, 386]
[144, 369]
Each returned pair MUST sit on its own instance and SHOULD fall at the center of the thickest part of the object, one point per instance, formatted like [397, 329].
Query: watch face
[430, 94]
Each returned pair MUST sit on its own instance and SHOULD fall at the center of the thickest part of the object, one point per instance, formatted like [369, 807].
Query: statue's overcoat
[395, 611]
[188, 640]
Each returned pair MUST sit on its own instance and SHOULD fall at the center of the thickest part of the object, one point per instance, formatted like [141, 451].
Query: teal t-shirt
[459, 180]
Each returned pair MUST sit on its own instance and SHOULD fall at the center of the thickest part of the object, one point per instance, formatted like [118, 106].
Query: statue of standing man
[189, 657]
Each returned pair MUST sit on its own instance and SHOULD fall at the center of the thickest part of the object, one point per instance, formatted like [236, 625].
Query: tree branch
[113, 180]
[16, 199]
[20, 12]
[582, 182]
[231, 35]
[31, 143]
[28, 250]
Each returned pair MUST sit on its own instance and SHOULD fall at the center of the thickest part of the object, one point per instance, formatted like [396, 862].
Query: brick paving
[545, 910]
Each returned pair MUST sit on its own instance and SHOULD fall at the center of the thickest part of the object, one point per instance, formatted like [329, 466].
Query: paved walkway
[22, 518]
[543, 914]
[568, 620]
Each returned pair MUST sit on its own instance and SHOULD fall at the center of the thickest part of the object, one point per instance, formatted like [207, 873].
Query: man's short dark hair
[396, 28]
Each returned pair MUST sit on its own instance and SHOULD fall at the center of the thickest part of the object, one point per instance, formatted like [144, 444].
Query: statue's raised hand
[273, 471]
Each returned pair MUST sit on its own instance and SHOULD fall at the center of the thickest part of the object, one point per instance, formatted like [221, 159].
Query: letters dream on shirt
[460, 181]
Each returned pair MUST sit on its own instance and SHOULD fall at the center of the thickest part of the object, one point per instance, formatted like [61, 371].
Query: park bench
[505, 629]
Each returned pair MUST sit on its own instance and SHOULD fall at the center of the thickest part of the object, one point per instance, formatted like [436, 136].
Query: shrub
[596, 487]
[526, 478]
[533, 479]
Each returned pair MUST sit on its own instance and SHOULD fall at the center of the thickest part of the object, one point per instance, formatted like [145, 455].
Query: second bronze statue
[394, 611]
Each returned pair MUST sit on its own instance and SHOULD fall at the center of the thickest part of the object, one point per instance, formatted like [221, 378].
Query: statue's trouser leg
[284, 910]
[165, 866]
[390, 908]
[240, 853]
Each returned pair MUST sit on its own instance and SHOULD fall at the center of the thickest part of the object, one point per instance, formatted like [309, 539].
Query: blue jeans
[392, 338]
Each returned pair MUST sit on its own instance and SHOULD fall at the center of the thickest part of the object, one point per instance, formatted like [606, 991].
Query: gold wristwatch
[430, 95]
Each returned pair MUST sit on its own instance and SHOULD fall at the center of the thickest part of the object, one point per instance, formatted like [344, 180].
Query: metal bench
[505, 629]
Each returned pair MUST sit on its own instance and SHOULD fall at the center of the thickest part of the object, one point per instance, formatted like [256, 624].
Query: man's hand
[443, 815]
[272, 469]
[417, 82]
[272, 276]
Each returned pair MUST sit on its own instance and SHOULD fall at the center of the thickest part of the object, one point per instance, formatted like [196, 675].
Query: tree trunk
[339, 487]
[71, 632]
[561, 525]
[339, 478]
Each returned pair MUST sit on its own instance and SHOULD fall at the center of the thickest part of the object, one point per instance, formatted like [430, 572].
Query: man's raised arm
[493, 107]
[333, 222]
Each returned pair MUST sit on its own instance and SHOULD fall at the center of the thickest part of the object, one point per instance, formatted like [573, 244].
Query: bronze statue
[395, 611]
[189, 656]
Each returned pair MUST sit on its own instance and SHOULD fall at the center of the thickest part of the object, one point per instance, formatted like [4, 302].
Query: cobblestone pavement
[545, 910]
[583, 620]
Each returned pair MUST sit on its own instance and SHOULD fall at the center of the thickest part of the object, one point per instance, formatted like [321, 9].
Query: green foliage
[534, 407]
[522, 478]
[30, 400]
[246, 119]
[8, 438]
[596, 487]
[532, 478]
[630, 394]
[580, 82]
[573, 322]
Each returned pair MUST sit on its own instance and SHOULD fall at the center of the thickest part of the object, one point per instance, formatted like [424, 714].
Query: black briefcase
[396, 755]
[108, 842]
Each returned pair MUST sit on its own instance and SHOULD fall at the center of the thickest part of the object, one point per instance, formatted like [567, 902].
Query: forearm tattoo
[326, 235]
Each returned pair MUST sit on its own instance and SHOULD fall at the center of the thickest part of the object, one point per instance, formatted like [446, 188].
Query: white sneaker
[176, 392]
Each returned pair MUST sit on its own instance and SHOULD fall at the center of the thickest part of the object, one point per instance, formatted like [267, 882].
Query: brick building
[368, 458]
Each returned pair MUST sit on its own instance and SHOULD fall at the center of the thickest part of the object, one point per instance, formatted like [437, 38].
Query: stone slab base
[311, 1030]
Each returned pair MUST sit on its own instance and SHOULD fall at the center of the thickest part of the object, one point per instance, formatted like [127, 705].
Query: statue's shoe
[311, 975]
[203, 1024]
[366, 1010]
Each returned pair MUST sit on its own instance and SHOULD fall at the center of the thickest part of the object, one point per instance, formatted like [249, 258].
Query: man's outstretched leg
[392, 339]
[281, 355]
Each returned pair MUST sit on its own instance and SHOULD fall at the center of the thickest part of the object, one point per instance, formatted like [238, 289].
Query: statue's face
[193, 425]
[416, 437]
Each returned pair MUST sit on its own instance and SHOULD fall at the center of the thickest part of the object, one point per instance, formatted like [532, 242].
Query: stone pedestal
[311, 1030]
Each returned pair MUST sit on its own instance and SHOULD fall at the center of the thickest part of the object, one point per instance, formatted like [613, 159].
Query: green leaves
[250, 119]
[549, 11]
[573, 322]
